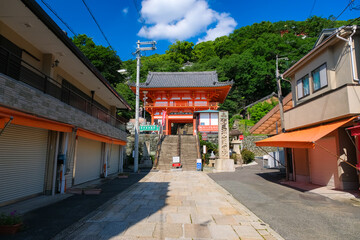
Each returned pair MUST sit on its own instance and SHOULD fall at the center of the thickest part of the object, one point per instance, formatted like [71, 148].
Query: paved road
[171, 205]
[291, 213]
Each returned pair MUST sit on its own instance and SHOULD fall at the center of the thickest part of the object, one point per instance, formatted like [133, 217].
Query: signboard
[198, 164]
[149, 128]
[208, 128]
[241, 137]
[204, 149]
[204, 136]
[176, 159]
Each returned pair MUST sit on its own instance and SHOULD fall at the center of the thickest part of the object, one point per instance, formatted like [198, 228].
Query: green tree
[103, 58]
[259, 110]
[180, 52]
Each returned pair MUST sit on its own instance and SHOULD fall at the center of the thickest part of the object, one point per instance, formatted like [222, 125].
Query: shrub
[247, 156]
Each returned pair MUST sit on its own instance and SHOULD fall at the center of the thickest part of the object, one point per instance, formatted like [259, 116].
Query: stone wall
[249, 143]
[152, 138]
[20, 96]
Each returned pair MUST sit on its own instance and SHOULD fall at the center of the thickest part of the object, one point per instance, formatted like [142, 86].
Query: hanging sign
[163, 118]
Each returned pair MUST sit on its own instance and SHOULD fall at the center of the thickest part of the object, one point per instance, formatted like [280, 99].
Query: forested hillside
[246, 56]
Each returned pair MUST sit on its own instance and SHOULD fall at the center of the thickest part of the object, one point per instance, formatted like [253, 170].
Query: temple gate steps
[187, 152]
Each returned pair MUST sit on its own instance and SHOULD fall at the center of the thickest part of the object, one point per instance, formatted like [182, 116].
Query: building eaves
[329, 40]
[182, 80]
[46, 19]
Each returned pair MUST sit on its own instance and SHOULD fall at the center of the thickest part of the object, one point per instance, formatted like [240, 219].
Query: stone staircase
[188, 152]
[170, 148]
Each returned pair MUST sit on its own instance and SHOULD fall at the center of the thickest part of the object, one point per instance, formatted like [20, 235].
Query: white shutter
[88, 160]
[114, 159]
[22, 162]
[214, 119]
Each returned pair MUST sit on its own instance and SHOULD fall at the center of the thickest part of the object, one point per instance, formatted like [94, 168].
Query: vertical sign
[163, 118]
[223, 135]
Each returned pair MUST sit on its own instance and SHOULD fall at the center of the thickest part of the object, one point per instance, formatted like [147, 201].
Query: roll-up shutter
[114, 159]
[22, 162]
[88, 160]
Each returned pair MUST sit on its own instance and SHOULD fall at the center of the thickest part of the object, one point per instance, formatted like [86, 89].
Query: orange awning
[28, 120]
[305, 138]
[98, 137]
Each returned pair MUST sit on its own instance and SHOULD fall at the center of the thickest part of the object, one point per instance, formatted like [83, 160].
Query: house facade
[326, 103]
[58, 114]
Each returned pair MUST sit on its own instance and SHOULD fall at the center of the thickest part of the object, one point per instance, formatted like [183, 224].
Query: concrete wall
[342, 102]
[21, 96]
[347, 151]
[323, 165]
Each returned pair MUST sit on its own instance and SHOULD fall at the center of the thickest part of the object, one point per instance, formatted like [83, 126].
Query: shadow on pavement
[48, 221]
[131, 212]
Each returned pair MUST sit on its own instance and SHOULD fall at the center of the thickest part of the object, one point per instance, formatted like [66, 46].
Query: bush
[247, 156]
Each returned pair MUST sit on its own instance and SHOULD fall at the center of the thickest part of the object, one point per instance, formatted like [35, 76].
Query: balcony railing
[15, 67]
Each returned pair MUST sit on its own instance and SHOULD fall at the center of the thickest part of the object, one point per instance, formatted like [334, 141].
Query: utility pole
[138, 56]
[278, 79]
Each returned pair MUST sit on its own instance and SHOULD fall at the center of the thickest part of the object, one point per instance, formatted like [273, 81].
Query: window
[302, 86]
[319, 77]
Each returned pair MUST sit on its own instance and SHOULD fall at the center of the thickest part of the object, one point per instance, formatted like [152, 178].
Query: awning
[355, 131]
[98, 137]
[305, 138]
[32, 121]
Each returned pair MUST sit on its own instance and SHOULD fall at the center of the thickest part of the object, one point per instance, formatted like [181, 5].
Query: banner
[163, 118]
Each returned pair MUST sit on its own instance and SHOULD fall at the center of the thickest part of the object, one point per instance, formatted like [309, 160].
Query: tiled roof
[182, 80]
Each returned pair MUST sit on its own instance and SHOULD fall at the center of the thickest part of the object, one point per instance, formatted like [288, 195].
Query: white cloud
[125, 11]
[183, 19]
[225, 25]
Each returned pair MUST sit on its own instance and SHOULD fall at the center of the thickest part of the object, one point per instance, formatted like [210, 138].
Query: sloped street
[293, 213]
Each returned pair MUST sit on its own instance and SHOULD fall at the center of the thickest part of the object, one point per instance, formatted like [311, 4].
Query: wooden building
[173, 97]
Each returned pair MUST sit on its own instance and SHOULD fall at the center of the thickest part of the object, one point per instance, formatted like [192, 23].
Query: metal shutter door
[22, 162]
[88, 160]
[114, 159]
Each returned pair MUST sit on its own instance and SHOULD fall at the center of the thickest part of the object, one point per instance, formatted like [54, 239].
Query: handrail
[198, 146]
[20, 66]
[158, 149]
[179, 147]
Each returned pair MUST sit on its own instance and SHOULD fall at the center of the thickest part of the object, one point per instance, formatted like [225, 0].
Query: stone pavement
[171, 205]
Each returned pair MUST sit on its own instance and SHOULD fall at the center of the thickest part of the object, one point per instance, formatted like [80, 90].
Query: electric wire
[312, 8]
[351, 1]
[53, 11]
[142, 20]
[93, 17]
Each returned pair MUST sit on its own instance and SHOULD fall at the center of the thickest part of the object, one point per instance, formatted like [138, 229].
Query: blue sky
[190, 20]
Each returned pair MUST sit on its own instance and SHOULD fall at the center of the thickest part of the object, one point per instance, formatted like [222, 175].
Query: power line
[142, 20]
[53, 11]
[312, 8]
[351, 1]
[93, 17]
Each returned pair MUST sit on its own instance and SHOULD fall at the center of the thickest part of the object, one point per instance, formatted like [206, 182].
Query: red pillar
[194, 126]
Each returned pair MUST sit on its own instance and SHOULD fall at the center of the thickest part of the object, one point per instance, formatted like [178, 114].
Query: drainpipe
[349, 41]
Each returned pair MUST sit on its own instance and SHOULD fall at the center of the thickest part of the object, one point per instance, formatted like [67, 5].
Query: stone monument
[146, 161]
[224, 163]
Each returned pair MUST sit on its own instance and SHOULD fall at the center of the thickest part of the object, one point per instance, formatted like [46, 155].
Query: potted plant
[10, 223]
